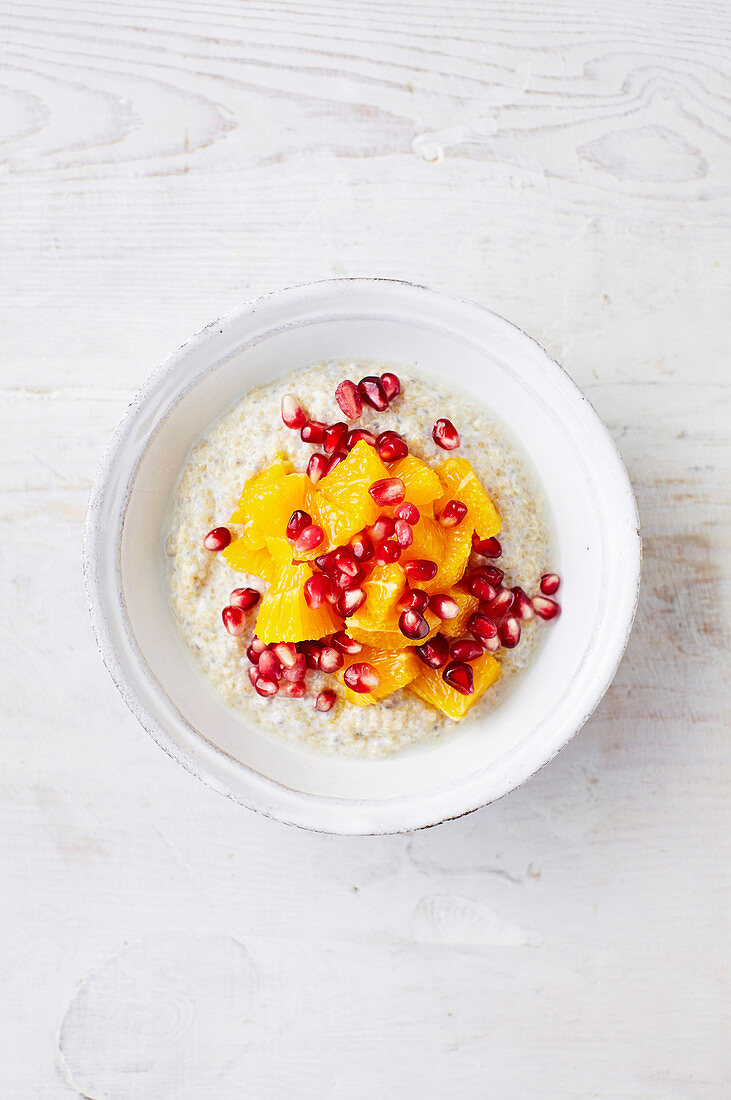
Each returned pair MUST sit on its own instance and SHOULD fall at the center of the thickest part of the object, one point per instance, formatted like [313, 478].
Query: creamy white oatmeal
[248, 438]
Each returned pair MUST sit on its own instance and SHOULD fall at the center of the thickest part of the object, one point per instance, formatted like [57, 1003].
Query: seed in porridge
[345, 644]
[404, 534]
[413, 599]
[298, 670]
[234, 620]
[409, 513]
[445, 435]
[309, 538]
[443, 606]
[297, 523]
[317, 467]
[522, 606]
[421, 570]
[391, 446]
[509, 632]
[325, 700]
[501, 605]
[435, 652]
[217, 539]
[488, 548]
[362, 547]
[348, 398]
[350, 601]
[389, 490]
[294, 689]
[465, 649]
[331, 659]
[359, 435]
[313, 431]
[373, 392]
[387, 553]
[453, 512]
[545, 608]
[413, 625]
[244, 598]
[459, 676]
[483, 628]
[384, 528]
[334, 437]
[293, 415]
[391, 384]
[550, 584]
[362, 677]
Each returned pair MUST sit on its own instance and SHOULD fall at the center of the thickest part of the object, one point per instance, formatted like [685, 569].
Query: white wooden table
[568, 164]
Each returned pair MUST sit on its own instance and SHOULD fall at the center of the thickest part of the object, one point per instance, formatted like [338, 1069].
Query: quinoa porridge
[249, 438]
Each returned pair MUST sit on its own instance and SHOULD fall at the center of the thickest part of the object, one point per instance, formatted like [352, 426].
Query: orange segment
[457, 550]
[266, 509]
[421, 483]
[468, 605]
[284, 614]
[430, 686]
[396, 670]
[339, 524]
[430, 540]
[383, 588]
[347, 486]
[462, 483]
[386, 633]
[243, 559]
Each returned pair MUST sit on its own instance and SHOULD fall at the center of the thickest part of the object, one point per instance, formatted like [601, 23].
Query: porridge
[370, 586]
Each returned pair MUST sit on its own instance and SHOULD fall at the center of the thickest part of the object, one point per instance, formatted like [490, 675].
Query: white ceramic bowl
[584, 480]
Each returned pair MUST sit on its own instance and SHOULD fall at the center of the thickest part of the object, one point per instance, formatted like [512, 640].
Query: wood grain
[568, 165]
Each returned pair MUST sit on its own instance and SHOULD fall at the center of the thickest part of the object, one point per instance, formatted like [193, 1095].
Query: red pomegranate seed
[311, 653]
[333, 461]
[389, 490]
[297, 523]
[234, 620]
[331, 659]
[362, 547]
[350, 601]
[293, 689]
[453, 513]
[293, 415]
[482, 628]
[443, 606]
[348, 398]
[313, 431]
[509, 632]
[325, 700]
[344, 581]
[435, 652]
[257, 645]
[421, 569]
[545, 608]
[492, 574]
[387, 553]
[264, 686]
[345, 644]
[550, 584]
[409, 513]
[334, 437]
[465, 650]
[445, 435]
[489, 548]
[316, 590]
[362, 678]
[309, 539]
[384, 528]
[404, 534]
[269, 665]
[359, 435]
[344, 561]
[252, 655]
[244, 598]
[317, 467]
[326, 562]
[459, 676]
[217, 539]
[298, 671]
[286, 653]
[522, 605]
[391, 447]
[479, 586]
[501, 605]
[413, 599]
[373, 392]
[413, 625]
[391, 384]
[253, 675]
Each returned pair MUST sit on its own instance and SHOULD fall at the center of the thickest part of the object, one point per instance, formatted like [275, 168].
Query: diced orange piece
[430, 686]
[461, 483]
[266, 508]
[243, 559]
[284, 615]
[396, 670]
[383, 588]
[339, 524]
[430, 540]
[421, 483]
[457, 550]
[468, 605]
[385, 634]
[347, 485]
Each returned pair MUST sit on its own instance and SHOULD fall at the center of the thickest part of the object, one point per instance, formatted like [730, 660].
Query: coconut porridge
[421, 646]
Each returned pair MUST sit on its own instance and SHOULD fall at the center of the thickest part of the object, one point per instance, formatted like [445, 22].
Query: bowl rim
[205, 760]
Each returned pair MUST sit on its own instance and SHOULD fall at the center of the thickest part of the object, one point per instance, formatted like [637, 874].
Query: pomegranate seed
[343, 581]
[492, 574]
[435, 652]
[264, 686]
[545, 608]
[350, 601]
[359, 435]
[269, 665]
[252, 655]
[522, 605]
[317, 467]
[297, 523]
[325, 700]
[362, 678]
[348, 398]
[234, 620]
[404, 534]
[311, 653]
[443, 606]
[391, 447]
[313, 431]
[316, 590]
[334, 437]
[413, 625]
[293, 415]
[244, 598]
[501, 605]
[409, 513]
[257, 645]
[345, 644]
[286, 653]
[253, 675]
[326, 562]
[550, 584]
[309, 538]
[459, 676]
[421, 569]
[382, 529]
[362, 547]
[344, 561]
[489, 548]
[466, 650]
[453, 513]
[373, 392]
[294, 689]
[480, 587]
[391, 384]
[387, 553]
[482, 628]
[298, 671]
[509, 632]
[445, 435]
[413, 599]
[389, 490]
[331, 659]
[217, 539]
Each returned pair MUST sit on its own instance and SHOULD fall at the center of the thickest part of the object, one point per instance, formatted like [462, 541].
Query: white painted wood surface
[566, 163]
